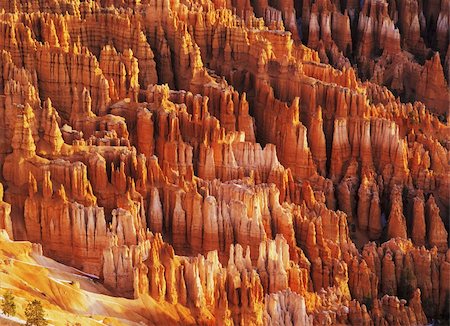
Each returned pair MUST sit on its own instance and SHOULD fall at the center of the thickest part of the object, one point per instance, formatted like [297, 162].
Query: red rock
[396, 220]
[418, 223]
[5, 218]
[241, 161]
[437, 234]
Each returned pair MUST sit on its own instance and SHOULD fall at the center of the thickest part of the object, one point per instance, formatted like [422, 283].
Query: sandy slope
[71, 296]
[10, 320]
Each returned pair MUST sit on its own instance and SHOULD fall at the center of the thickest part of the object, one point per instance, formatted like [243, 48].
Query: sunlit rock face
[238, 162]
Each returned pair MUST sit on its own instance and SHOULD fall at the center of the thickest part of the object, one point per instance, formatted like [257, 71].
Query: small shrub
[8, 304]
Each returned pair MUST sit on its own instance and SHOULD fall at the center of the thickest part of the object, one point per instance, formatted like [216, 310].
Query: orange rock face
[243, 162]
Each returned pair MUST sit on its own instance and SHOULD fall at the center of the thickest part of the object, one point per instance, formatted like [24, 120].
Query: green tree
[35, 314]
[8, 304]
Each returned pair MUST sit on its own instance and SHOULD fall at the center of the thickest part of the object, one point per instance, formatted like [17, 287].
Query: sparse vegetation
[368, 302]
[413, 118]
[8, 304]
[35, 314]
[408, 283]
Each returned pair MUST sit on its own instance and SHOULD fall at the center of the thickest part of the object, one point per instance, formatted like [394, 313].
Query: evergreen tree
[8, 304]
[35, 314]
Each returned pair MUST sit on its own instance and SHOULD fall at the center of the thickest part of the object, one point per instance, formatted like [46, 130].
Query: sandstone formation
[234, 162]
[397, 44]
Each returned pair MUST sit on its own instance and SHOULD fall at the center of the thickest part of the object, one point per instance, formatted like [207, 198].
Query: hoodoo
[217, 162]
